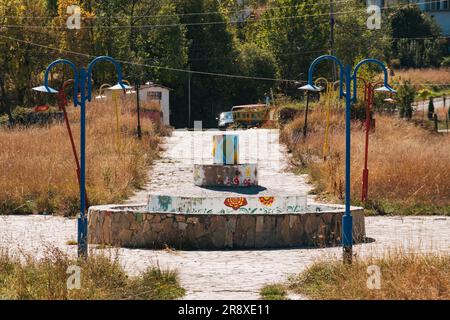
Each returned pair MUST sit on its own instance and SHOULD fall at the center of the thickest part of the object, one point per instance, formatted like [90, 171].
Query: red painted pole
[365, 178]
[62, 103]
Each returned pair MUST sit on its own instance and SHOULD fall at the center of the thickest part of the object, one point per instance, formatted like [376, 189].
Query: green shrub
[406, 94]
[446, 62]
[431, 109]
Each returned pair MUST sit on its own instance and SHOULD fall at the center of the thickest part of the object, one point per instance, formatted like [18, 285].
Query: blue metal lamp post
[349, 79]
[82, 93]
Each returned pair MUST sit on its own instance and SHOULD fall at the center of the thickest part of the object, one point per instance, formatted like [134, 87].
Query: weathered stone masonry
[128, 227]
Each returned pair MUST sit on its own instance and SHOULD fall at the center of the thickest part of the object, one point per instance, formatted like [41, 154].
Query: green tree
[407, 24]
[52, 6]
[406, 94]
[295, 32]
[353, 39]
[20, 62]
[254, 61]
[212, 48]
[430, 109]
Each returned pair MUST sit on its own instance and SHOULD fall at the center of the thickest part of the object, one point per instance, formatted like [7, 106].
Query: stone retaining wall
[130, 228]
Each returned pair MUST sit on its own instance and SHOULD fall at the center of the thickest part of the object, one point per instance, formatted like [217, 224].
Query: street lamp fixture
[386, 89]
[62, 103]
[119, 86]
[311, 87]
[45, 89]
[82, 93]
[348, 78]
[115, 93]
[308, 88]
[328, 90]
[369, 97]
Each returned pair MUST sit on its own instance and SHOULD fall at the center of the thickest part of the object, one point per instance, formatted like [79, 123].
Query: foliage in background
[253, 60]
[445, 62]
[409, 23]
[293, 42]
[270, 38]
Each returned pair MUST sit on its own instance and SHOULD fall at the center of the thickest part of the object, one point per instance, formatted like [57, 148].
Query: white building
[437, 9]
[153, 97]
[156, 96]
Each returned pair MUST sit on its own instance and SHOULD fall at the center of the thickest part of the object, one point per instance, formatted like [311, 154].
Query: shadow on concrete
[272, 248]
[368, 240]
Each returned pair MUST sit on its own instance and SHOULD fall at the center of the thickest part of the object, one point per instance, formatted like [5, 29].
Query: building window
[154, 95]
[435, 5]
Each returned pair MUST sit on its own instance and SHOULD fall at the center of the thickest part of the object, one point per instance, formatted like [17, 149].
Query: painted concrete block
[226, 149]
[240, 175]
[244, 204]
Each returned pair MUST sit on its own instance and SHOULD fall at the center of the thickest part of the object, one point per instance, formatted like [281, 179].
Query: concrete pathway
[437, 102]
[173, 173]
[230, 274]
[227, 274]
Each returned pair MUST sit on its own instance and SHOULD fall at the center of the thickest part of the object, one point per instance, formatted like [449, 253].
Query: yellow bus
[252, 114]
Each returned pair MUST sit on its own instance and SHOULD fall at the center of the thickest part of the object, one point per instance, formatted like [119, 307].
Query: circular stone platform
[137, 227]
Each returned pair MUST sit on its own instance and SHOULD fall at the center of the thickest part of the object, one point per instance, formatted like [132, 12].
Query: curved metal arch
[359, 65]
[75, 77]
[91, 66]
[102, 88]
[320, 59]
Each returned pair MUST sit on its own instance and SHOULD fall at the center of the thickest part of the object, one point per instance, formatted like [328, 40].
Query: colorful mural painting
[241, 175]
[226, 172]
[228, 205]
[226, 149]
[235, 203]
[267, 201]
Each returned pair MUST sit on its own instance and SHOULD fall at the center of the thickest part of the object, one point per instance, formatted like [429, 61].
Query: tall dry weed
[38, 172]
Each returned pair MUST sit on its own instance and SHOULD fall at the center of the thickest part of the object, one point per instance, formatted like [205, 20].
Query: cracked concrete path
[227, 274]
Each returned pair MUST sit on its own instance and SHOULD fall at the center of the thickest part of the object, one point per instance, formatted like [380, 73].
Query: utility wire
[205, 48]
[184, 70]
[156, 67]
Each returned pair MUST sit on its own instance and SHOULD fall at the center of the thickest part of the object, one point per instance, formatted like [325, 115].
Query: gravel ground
[227, 274]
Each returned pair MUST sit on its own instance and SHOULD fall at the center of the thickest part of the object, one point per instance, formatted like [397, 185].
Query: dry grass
[101, 277]
[403, 277]
[38, 172]
[424, 76]
[408, 167]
